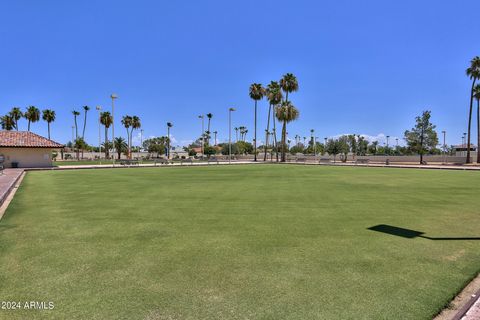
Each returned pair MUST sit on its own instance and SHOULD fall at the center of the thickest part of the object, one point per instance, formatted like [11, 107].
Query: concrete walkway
[7, 181]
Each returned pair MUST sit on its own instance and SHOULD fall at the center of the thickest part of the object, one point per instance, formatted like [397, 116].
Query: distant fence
[309, 158]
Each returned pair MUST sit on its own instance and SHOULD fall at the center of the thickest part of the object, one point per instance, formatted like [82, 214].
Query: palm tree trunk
[208, 126]
[470, 121]
[266, 134]
[478, 130]
[16, 124]
[284, 140]
[128, 144]
[48, 125]
[255, 135]
[76, 127]
[106, 142]
[84, 124]
[28, 125]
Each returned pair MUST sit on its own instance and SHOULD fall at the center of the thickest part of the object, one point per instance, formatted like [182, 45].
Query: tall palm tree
[236, 134]
[136, 124]
[7, 122]
[274, 97]
[75, 115]
[256, 93]
[169, 125]
[286, 112]
[86, 108]
[473, 72]
[476, 95]
[209, 116]
[107, 120]
[32, 115]
[16, 114]
[49, 116]
[289, 83]
[127, 123]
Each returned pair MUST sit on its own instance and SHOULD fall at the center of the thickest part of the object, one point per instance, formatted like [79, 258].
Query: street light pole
[230, 110]
[113, 96]
[169, 125]
[141, 140]
[444, 147]
[99, 134]
[387, 145]
[203, 132]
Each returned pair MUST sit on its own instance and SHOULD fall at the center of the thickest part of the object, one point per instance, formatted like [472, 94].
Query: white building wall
[27, 157]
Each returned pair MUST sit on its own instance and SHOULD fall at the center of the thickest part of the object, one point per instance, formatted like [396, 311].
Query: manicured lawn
[239, 242]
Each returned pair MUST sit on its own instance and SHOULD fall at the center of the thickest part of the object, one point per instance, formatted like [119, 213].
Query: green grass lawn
[239, 242]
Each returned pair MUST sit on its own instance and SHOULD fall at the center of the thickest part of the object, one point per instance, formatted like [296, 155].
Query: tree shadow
[5, 226]
[410, 234]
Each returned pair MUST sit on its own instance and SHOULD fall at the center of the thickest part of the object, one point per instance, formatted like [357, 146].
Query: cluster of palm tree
[31, 114]
[473, 72]
[283, 109]
[79, 142]
[130, 123]
[243, 133]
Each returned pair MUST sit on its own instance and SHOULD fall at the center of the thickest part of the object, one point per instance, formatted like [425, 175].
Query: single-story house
[25, 149]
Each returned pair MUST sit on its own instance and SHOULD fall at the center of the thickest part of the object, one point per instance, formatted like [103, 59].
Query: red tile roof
[25, 139]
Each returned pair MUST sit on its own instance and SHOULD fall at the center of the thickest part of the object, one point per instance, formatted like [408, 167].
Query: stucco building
[24, 149]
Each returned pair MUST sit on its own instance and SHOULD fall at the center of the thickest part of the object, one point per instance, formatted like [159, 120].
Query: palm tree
[136, 124]
[476, 94]
[107, 120]
[16, 114]
[274, 97]
[289, 84]
[86, 108]
[127, 123]
[209, 116]
[75, 114]
[169, 125]
[286, 112]
[236, 134]
[32, 115]
[256, 93]
[474, 73]
[120, 145]
[49, 116]
[7, 122]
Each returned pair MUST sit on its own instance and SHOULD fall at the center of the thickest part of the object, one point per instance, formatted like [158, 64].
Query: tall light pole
[113, 96]
[99, 134]
[141, 140]
[444, 146]
[230, 110]
[387, 144]
[465, 142]
[169, 125]
[203, 131]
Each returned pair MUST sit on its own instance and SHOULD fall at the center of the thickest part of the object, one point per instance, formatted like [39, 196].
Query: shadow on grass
[410, 234]
[5, 226]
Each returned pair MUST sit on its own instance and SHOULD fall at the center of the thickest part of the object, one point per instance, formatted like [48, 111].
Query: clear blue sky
[366, 67]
